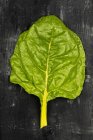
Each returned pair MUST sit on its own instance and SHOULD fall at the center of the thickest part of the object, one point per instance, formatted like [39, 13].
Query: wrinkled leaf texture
[49, 56]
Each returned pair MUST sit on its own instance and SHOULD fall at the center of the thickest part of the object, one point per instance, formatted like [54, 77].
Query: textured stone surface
[19, 112]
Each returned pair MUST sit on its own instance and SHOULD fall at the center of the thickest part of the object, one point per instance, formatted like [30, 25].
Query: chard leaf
[49, 62]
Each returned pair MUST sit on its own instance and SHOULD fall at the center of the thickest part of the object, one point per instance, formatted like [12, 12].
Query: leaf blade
[45, 57]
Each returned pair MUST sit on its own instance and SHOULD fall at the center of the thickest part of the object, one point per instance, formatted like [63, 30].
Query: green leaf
[49, 61]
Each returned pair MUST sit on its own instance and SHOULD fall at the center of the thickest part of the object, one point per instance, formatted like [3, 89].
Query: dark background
[20, 112]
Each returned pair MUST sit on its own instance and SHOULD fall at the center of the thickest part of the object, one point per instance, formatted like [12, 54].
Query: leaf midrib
[46, 72]
[46, 80]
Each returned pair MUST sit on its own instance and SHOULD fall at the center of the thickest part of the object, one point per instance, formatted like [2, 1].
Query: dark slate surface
[19, 112]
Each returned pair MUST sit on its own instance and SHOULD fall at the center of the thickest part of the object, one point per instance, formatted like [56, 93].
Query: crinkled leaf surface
[50, 57]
